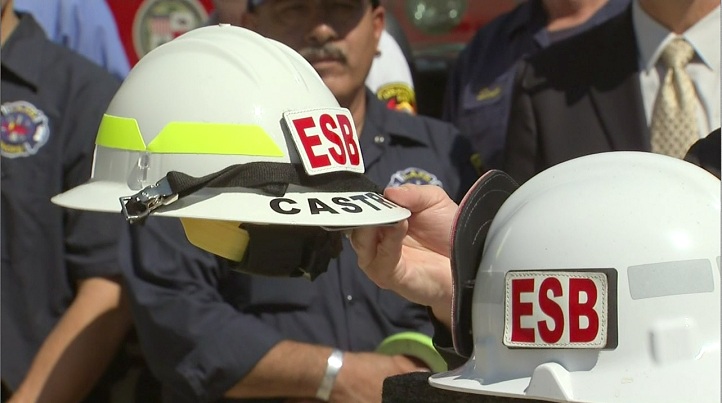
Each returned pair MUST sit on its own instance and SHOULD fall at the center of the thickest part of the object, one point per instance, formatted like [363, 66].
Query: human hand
[412, 257]
[362, 376]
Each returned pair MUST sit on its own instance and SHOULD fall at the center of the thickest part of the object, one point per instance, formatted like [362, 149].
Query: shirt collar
[534, 17]
[521, 17]
[529, 16]
[652, 38]
[21, 54]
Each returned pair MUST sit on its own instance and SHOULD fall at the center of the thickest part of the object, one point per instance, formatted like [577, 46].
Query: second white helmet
[599, 281]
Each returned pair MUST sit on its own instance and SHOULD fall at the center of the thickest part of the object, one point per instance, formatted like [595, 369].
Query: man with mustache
[340, 40]
[390, 77]
[303, 340]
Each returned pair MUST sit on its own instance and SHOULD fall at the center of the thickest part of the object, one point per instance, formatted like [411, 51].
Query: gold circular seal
[398, 96]
[159, 21]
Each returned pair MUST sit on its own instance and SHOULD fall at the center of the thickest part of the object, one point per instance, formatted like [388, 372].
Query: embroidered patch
[159, 21]
[398, 96]
[488, 93]
[415, 176]
[326, 140]
[24, 129]
[556, 309]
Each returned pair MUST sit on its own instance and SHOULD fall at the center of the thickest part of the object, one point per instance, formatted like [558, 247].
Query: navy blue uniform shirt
[478, 93]
[52, 103]
[203, 327]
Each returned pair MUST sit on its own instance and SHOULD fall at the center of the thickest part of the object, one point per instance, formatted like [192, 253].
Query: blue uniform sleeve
[90, 239]
[87, 27]
[194, 339]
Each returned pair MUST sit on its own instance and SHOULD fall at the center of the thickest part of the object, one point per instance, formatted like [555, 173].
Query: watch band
[333, 366]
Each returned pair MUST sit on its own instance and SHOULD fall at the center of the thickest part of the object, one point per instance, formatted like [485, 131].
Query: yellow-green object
[413, 344]
[188, 138]
[222, 238]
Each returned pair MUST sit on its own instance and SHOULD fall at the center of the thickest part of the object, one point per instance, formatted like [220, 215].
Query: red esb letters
[556, 309]
[326, 140]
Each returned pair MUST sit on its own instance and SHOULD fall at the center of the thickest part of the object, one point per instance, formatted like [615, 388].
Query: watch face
[24, 129]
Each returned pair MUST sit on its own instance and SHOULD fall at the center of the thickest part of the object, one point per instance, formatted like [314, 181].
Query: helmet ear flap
[289, 251]
[471, 225]
[222, 238]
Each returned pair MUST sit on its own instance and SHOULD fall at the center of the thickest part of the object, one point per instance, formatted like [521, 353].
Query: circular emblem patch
[414, 176]
[160, 21]
[24, 129]
[398, 96]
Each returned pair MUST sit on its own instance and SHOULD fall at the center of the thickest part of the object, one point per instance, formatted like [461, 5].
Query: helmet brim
[298, 206]
[551, 382]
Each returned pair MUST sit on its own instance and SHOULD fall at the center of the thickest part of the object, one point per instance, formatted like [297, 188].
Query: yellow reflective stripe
[188, 138]
[214, 138]
[222, 238]
[122, 133]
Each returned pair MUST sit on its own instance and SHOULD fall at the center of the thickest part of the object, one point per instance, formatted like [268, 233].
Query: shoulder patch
[24, 129]
[159, 21]
[489, 93]
[415, 176]
[398, 96]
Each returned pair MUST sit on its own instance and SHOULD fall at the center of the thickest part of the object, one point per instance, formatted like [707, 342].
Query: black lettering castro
[335, 205]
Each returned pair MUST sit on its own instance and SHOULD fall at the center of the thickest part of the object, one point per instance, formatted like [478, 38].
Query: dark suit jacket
[706, 153]
[578, 97]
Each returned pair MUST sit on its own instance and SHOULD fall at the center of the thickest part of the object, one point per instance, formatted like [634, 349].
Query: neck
[8, 22]
[678, 15]
[356, 104]
[565, 14]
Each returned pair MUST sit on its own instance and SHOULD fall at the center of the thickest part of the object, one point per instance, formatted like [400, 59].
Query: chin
[341, 87]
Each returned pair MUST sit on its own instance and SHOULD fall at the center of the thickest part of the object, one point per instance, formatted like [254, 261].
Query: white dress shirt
[704, 69]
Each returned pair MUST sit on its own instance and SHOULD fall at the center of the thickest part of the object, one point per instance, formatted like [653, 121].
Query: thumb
[416, 197]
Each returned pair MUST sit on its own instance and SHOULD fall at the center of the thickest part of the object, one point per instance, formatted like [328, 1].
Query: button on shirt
[203, 327]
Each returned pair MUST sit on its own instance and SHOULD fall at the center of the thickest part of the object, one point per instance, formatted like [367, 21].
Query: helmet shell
[214, 97]
[650, 224]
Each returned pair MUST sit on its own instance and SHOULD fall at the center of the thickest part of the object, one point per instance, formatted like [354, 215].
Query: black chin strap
[271, 178]
[288, 251]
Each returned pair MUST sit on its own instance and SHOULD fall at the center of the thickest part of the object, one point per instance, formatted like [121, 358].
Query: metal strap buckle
[138, 206]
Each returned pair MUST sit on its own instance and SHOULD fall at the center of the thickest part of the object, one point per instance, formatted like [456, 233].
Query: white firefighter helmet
[248, 115]
[599, 281]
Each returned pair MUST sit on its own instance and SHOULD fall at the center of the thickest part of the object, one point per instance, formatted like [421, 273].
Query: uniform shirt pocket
[485, 110]
[402, 314]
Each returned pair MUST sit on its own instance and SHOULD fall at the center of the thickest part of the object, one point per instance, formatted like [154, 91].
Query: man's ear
[379, 21]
